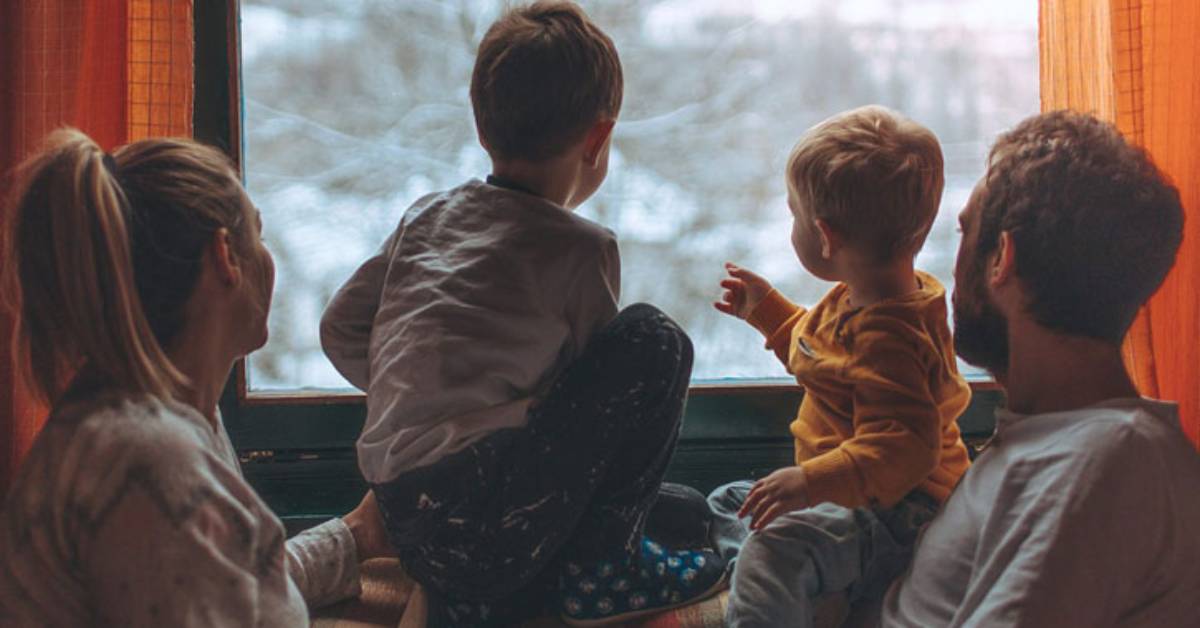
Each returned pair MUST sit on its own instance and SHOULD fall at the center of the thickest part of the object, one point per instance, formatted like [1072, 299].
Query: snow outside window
[355, 108]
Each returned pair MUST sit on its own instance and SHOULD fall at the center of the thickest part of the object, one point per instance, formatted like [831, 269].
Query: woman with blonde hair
[142, 277]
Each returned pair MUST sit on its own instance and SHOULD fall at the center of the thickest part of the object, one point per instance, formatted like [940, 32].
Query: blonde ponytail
[79, 301]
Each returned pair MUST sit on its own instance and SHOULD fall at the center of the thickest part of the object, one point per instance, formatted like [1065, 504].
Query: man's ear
[831, 240]
[1004, 262]
[596, 140]
[225, 263]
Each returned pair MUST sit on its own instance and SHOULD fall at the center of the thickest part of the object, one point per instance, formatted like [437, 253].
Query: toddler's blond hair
[874, 176]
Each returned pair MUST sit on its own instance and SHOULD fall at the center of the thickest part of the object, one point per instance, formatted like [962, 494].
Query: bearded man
[1084, 508]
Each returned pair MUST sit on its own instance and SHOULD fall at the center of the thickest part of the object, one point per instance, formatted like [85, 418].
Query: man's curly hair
[1095, 224]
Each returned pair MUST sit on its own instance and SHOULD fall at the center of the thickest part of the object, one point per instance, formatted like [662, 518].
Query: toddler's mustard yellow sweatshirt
[882, 394]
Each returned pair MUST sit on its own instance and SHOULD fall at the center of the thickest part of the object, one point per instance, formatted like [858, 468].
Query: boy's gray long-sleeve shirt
[471, 308]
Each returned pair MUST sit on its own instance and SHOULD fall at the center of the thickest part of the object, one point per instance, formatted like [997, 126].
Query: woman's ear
[225, 263]
[831, 241]
[596, 141]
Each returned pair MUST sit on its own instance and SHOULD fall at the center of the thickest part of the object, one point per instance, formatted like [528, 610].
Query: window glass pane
[354, 109]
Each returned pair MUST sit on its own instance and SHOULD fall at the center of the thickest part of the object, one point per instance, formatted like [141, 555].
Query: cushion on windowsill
[387, 592]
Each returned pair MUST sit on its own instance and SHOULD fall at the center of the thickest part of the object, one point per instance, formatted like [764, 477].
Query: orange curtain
[1136, 63]
[120, 70]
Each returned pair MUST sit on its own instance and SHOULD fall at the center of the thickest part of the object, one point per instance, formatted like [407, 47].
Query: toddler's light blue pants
[780, 571]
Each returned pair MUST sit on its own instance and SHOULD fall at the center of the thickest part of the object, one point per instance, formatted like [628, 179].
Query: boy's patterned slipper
[655, 581]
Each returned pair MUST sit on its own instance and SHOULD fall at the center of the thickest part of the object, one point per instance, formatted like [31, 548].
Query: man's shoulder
[1143, 432]
[1128, 438]
[1117, 425]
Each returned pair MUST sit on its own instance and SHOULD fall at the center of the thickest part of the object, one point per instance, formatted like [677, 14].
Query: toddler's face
[806, 240]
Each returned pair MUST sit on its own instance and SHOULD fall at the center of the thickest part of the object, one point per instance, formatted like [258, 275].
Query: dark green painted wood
[724, 438]
[735, 415]
[211, 115]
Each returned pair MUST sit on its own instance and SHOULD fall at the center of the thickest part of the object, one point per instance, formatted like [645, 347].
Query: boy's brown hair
[872, 175]
[543, 76]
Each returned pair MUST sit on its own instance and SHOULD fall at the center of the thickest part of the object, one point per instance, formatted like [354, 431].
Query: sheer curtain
[1137, 64]
[120, 70]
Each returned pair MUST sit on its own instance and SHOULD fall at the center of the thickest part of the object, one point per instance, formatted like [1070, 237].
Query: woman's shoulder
[141, 429]
[95, 451]
[114, 486]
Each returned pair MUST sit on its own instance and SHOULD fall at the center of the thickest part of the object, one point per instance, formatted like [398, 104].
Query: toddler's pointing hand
[744, 290]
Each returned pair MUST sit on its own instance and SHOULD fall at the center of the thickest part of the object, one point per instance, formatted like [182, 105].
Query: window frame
[297, 448]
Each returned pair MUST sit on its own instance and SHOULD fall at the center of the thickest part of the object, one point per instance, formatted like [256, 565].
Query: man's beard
[980, 329]
[982, 339]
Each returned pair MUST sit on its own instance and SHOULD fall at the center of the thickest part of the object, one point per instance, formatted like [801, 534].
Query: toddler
[877, 445]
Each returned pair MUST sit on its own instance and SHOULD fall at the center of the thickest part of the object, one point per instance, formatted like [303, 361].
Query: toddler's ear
[831, 240]
[597, 140]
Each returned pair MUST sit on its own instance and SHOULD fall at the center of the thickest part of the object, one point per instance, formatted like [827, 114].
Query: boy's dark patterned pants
[484, 530]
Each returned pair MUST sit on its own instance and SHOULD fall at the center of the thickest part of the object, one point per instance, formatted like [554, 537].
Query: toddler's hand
[744, 290]
[781, 492]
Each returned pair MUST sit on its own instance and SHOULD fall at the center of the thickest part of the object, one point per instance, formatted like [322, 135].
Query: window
[353, 109]
[345, 111]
